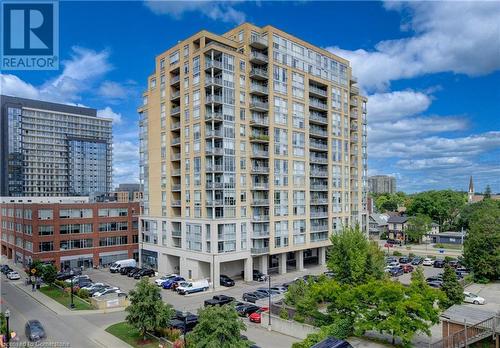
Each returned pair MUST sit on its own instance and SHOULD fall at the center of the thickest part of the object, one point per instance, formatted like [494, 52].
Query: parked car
[133, 271]
[169, 282]
[437, 285]
[393, 264]
[393, 242]
[105, 291]
[256, 275]
[5, 268]
[404, 259]
[329, 274]
[145, 272]
[13, 275]
[64, 275]
[218, 300]
[256, 317]
[407, 268]
[439, 263]
[332, 342]
[463, 270]
[77, 278]
[469, 297]
[161, 280]
[310, 278]
[279, 289]
[396, 271]
[175, 285]
[268, 292]
[125, 270]
[246, 309]
[253, 296]
[226, 281]
[416, 261]
[190, 287]
[454, 263]
[98, 289]
[92, 286]
[390, 259]
[115, 267]
[34, 330]
[183, 323]
[428, 262]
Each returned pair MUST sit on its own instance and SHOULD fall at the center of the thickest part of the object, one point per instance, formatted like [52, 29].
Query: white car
[393, 264]
[76, 278]
[428, 262]
[106, 291]
[92, 286]
[163, 279]
[13, 275]
[473, 298]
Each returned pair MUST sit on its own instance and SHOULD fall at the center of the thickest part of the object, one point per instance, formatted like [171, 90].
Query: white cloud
[107, 112]
[398, 104]
[223, 11]
[113, 90]
[125, 161]
[433, 163]
[450, 36]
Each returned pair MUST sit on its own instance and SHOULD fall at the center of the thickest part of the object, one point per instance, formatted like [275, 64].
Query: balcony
[215, 64]
[258, 42]
[318, 132]
[353, 79]
[176, 203]
[318, 187]
[259, 138]
[318, 104]
[257, 105]
[175, 95]
[219, 151]
[212, 133]
[319, 237]
[317, 159]
[214, 116]
[353, 127]
[354, 138]
[353, 102]
[175, 172]
[215, 202]
[176, 157]
[319, 228]
[260, 154]
[175, 80]
[316, 117]
[260, 170]
[260, 218]
[259, 121]
[318, 145]
[176, 110]
[258, 74]
[318, 173]
[259, 251]
[214, 168]
[176, 187]
[258, 58]
[354, 90]
[257, 202]
[175, 141]
[259, 89]
[260, 234]
[213, 98]
[319, 201]
[260, 186]
[175, 126]
[316, 91]
[213, 81]
[214, 185]
[319, 214]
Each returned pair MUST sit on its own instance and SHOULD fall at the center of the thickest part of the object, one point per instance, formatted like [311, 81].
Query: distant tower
[471, 190]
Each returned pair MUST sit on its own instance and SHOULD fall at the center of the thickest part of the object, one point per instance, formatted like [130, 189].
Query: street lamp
[269, 311]
[72, 305]
[184, 317]
[7, 316]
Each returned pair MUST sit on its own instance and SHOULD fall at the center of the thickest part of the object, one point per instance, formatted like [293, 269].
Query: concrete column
[282, 263]
[322, 255]
[183, 268]
[215, 273]
[299, 257]
[248, 267]
[263, 263]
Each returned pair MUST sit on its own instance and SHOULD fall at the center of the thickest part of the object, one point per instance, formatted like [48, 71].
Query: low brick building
[69, 231]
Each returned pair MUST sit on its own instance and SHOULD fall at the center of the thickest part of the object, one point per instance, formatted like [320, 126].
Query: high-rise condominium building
[50, 149]
[382, 184]
[253, 152]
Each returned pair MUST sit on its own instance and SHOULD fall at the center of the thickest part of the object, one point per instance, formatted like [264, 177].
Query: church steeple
[471, 190]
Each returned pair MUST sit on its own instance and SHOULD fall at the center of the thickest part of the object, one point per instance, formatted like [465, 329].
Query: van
[190, 287]
[122, 263]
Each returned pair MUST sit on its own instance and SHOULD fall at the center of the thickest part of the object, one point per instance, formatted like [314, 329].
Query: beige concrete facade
[253, 152]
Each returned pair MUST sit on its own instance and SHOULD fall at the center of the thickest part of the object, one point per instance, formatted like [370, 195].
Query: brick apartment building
[68, 231]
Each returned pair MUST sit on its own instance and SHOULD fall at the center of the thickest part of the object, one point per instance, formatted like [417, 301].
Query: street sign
[33, 271]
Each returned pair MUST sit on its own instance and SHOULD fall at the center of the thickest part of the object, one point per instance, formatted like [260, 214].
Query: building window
[281, 234]
[299, 203]
[298, 141]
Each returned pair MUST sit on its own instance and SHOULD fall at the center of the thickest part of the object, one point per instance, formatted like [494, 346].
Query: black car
[133, 272]
[436, 285]
[66, 274]
[439, 264]
[145, 272]
[332, 342]
[34, 330]
[404, 259]
[182, 322]
[246, 309]
[396, 271]
[6, 269]
[454, 264]
[226, 281]
[253, 296]
[416, 261]
[126, 270]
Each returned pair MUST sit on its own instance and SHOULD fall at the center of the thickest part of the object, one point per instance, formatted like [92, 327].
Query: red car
[255, 316]
[407, 268]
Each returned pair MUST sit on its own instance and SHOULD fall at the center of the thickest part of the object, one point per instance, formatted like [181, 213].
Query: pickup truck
[219, 300]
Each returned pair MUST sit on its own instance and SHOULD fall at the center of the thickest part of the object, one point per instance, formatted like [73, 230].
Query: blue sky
[431, 71]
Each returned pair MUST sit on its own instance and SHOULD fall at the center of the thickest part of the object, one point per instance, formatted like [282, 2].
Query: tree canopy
[218, 327]
[441, 206]
[147, 311]
[353, 258]
[389, 202]
[418, 226]
[452, 288]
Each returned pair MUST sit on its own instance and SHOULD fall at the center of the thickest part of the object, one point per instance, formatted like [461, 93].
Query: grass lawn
[64, 298]
[130, 335]
[448, 246]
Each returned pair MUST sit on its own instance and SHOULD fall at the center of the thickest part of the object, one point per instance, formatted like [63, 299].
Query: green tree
[218, 327]
[469, 210]
[418, 226]
[482, 245]
[147, 311]
[487, 192]
[452, 288]
[296, 291]
[441, 206]
[49, 273]
[353, 259]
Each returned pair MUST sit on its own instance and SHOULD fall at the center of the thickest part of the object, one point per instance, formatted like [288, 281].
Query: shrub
[83, 293]
[178, 344]
[411, 255]
[283, 313]
[396, 253]
[60, 283]
[439, 245]
[171, 334]
[299, 318]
